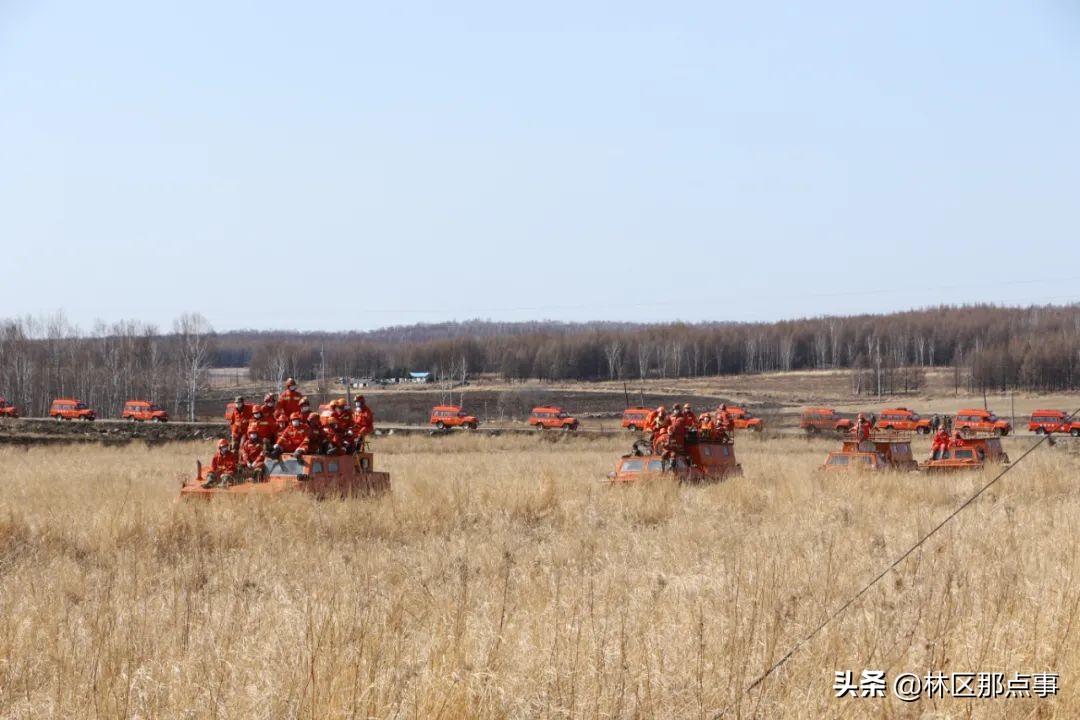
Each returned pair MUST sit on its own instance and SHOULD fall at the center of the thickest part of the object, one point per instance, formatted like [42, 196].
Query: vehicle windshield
[633, 466]
[462, 413]
[992, 418]
[656, 466]
[837, 460]
[286, 466]
[80, 406]
[563, 414]
[964, 455]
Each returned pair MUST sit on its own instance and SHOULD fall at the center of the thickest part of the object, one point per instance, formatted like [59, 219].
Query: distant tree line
[989, 347]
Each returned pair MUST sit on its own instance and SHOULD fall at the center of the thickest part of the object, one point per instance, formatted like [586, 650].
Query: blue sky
[349, 165]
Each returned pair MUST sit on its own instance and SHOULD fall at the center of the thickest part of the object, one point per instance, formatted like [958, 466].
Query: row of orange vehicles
[544, 417]
[971, 420]
[75, 409]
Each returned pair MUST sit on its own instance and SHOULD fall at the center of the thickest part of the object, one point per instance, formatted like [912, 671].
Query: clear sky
[349, 165]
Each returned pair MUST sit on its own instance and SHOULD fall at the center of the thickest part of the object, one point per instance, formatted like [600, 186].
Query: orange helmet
[222, 444]
[313, 417]
[296, 416]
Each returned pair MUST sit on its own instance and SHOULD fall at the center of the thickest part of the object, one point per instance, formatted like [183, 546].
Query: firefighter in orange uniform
[295, 438]
[940, 444]
[253, 456]
[222, 467]
[263, 423]
[288, 401]
[862, 428]
[240, 418]
[363, 420]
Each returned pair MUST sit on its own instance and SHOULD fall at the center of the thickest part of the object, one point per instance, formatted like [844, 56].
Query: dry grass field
[501, 580]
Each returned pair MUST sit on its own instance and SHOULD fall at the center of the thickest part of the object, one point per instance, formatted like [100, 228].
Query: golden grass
[501, 580]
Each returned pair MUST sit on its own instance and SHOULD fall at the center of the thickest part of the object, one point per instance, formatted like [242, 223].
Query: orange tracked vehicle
[972, 453]
[322, 476]
[883, 450]
[706, 458]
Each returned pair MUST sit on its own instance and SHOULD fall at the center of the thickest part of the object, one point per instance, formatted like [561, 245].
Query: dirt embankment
[31, 431]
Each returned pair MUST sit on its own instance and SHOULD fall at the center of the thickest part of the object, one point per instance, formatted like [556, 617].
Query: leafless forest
[991, 348]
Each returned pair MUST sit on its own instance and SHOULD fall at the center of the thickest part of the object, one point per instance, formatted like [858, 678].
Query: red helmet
[313, 417]
[222, 444]
[296, 416]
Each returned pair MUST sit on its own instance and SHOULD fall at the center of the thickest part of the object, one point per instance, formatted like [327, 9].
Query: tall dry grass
[501, 580]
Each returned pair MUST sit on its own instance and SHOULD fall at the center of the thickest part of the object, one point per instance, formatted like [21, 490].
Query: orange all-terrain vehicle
[903, 420]
[323, 476]
[704, 460]
[1044, 422]
[974, 421]
[633, 418]
[815, 420]
[7, 410]
[882, 451]
[973, 454]
[450, 416]
[70, 409]
[548, 417]
[743, 419]
[143, 411]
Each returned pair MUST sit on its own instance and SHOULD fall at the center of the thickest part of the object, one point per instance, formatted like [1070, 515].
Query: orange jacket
[240, 420]
[265, 426]
[289, 402]
[293, 439]
[363, 422]
[223, 462]
[251, 453]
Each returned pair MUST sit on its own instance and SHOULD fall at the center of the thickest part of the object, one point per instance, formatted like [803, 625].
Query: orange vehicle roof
[138, 402]
[453, 408]
[974, 411]
[1055, 413]
[815, 410]
[898, 410]
[74, 400]
[545, 408]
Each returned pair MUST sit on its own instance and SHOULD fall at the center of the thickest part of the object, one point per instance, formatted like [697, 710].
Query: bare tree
[193, 334]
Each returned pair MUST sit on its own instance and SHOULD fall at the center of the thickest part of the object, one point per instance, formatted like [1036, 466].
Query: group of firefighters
[669, 430]
[285, 423]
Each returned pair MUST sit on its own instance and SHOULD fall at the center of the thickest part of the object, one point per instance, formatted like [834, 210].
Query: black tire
[541, 426]
[440, 425]
[59, 417]
[923, 430]
[131, 418]
[632, 427]
[811, 430]
[567, 428]
[156, 419]
[470, 426]
[1000, 432]
[1040, 431]
[1075, 432]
